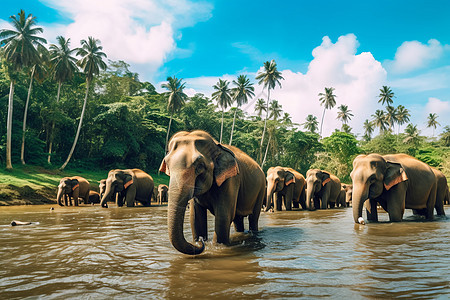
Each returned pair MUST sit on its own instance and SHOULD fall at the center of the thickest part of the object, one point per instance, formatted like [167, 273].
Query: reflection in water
[90, 252]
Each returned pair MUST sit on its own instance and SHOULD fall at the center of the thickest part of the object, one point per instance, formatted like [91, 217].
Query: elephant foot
[361, 221]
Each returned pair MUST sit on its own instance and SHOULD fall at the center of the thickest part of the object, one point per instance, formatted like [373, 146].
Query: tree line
[63, 104]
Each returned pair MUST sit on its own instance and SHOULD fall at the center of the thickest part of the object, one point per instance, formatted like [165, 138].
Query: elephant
[441, 191]
[131, 185]
[75, 187]
[214, 177]
[348, 188]
[94, 197]
[322, 188]
[288, 185]
[162, 193]
[396, 182]
[102, 187]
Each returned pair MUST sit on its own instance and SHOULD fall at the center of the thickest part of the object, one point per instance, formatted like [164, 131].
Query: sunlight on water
[90, 252]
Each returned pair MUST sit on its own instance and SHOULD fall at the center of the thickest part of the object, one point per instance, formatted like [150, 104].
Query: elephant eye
[200, 168]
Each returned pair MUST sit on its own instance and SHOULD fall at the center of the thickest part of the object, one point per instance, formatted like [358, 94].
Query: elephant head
[277, 179]
[66, 187]
[195, 163]
[315, 180]
[371, 175]
[348, 188]
[162, 193]
[117, 182]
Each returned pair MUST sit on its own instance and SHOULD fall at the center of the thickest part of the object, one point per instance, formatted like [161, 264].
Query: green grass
[37, 185]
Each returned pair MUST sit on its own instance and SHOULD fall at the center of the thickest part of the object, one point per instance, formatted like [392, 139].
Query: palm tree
[402, 116]
[391, 116]
[91, 62]
[275, 110]
[286, 120]
[386, 95]
[223, 98]
[445, 136]
[20, 51]
[311, 123]
[379, 120]
[432, 121]
[344, 114]
[38, 72]
[244, 89]
[63, 68]
[368, 129]
[328, 100]
[270, 77]
[260, 107]
[412, 134]
[175, 100]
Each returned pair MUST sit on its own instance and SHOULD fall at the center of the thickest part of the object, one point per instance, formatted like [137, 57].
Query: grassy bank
[26, 185]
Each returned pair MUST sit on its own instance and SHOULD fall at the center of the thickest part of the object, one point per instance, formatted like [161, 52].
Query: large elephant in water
[219, 178]
[396, 182]
[287, 184]
[73, 187]
[131, 185]
[322, 188]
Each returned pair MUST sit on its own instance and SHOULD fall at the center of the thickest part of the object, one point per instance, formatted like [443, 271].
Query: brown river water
[124, 253]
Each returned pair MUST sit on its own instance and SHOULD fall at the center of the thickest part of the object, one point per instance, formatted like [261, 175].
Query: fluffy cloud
[140, 32]
[413, 55]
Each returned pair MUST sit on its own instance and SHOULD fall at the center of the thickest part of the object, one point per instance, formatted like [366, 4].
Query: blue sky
[354, 46]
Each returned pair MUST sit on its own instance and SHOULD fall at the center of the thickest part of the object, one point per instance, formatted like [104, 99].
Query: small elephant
[73, 187]
[348, 188]
[94, 197]
[322, 188]
[441, 192]
[162, 193]
[131, 185]
[102, 187]
[288, 185]
[218, 178]
[396, 182]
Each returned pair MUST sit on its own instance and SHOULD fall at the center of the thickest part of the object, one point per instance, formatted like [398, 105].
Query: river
[96, 253]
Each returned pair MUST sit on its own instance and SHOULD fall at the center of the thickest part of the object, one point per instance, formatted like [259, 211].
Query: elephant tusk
[361, 221]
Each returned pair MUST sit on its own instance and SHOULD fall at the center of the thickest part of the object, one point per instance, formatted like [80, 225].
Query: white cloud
[413, 55]
[420, 113]
[140, 32]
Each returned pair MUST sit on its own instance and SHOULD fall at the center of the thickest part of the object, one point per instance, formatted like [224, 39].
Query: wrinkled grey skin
[162, 193]
[285, 185]
[348, 189]
[72, 187]
[322, 188]
[214, 177]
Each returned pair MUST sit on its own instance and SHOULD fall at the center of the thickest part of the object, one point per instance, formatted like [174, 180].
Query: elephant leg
[303, 199]
[130, 195]
[396, 202]
[332, 204]
[288, 197]
[224, 211]
[119, 199]
[316, 202]
[66, 200]
[295, 204]
[278, 201]
[254, 217]
[371, 210]
[431, 204]
[440, 207]
[325, 198]
[238, 223]
[198, 220]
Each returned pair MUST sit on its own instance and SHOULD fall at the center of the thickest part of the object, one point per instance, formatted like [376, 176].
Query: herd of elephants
[231, 185]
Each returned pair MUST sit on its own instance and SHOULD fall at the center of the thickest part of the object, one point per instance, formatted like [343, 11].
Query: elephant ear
[127, 181]
[225, 165]
[163, 168]
[289, 178]
[393, 175]
[325, 178]
[75, 184]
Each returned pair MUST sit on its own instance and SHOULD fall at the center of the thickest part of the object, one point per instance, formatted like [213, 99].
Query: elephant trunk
[359, 196]
[179, 195]
[59, 196]
[310, 196]
[270, 190]
[109, 191]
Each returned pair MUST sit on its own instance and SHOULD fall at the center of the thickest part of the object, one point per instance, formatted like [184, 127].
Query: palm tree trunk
[221, 128]
[321, 123]
[168, 131]
[53, 127]
[79, 127]
[24, 128]
[267, 150]
[232, 127]
[265, 120]
[9, 126]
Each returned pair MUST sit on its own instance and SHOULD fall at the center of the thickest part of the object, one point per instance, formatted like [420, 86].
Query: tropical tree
[260, 107]
[20, 50]
[91, 62]
[269, 77]
[175, 100]
[445, 136]
[344, 114]
[411, 135]
[328, 100]
[391, 116]
[368, 129]
[402, 116]
[223, 98]
[286, 120]
[386, 95]
[63, 68]
[38, 72]
[432, 121]
[379, 120]
[311, 123]
[275, 110]
[241, 93]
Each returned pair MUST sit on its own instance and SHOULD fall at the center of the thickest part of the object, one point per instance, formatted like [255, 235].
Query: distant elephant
[396, 182]
[73, 187]
[102, 187]
[131, 185]
[162, 193]
[94, 197]
[322, 187]
[218, 178]
[348, 188]
[442, 194]
[288, 185]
